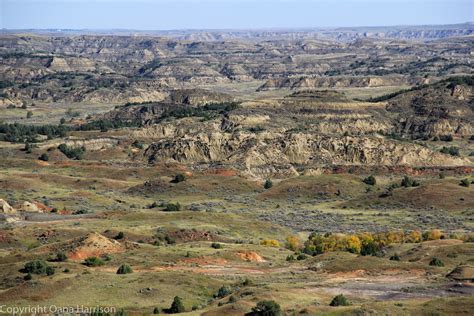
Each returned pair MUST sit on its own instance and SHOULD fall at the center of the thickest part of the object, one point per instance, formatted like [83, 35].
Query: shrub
[72, 152]
[414, 237]
[124, 269]
[270, 243]
[395, 257]
[120, 235]
[370, 249]
[339, 300]
[138, 144]
[409, 182]
[28, 148]
[216, 245]
[156, 310]
[433, 234]
[293, 243]
[465, 183]
[29, 114]
[44, 157]
[49, 270]
[60, 257]
[223, 292]
[93, 262]
[36, 267]
[446, 138]
[177, 306]
[179, 178]
[171, 207]
[370, 180]
[290, 258]
[268, 184]
[301, 256]
[436, 262]
[267, 308]
[453, 151]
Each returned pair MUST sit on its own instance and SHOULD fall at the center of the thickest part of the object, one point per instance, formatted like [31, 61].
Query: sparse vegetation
[177, 306]
[172, 207]
[93, 262]
[370, 180]
[72, 152]
[436, 262]
[339, 300]
[124, 269]
[267, 308]
[268, 184]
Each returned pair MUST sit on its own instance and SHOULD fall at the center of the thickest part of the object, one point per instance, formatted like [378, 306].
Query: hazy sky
[212, 14]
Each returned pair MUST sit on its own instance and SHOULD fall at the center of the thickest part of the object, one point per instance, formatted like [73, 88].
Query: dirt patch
[187, 235]
[92, 244]
[250, 256]
[223, 172]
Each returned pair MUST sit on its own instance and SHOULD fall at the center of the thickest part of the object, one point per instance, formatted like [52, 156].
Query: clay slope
[272, 149]
[444, 108]
[92, 244]
[334, 82]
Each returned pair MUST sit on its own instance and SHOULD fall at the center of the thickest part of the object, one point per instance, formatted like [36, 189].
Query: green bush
[93, 262]
[179, 178]
[268, 184]
[216, 245]
[60, 257]
[44, 157]
[171, 207]
[124, 269]
[301, 256]
[446, 138]
[370, 248]
[120, 235]
[36, 267]
[223, 292]
[370, 180]
[177, 306]
[465, 183]
[72, 152]
[453, 151]
[409, 182]
[156, 310]
[436, 262]
[267, 308]
[49, 270]
[339, 300]
[395, 257]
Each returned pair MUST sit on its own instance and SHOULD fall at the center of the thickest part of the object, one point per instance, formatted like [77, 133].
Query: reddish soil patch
[224, 172]
[92, 244]
[250, 256]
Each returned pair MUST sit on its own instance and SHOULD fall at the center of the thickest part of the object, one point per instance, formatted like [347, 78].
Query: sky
[228, 14]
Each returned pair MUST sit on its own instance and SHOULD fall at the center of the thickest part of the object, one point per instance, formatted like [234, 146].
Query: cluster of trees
[208, 111]
[39, 267]
[104, 125]
[72, 152]
[452, 150]
[365, 243]
[21, 133]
